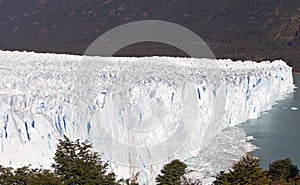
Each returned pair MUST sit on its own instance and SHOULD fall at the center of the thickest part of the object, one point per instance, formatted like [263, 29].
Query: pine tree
[6, 175]
[247, 171]
[172, 173]
[283, 170]
[128, 182]
[44, 177]
[22, 175]
[75, 163]
[25, 175]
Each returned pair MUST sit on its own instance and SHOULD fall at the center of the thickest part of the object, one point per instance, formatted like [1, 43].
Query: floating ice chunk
[249, 138]
[294, 108]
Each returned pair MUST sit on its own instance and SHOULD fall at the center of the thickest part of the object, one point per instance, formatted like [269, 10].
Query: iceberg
[138, 113]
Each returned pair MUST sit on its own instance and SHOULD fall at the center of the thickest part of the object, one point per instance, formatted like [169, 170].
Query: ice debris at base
[137, 112]
[227, 148]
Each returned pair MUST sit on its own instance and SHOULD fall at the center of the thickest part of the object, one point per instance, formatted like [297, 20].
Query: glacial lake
[277, 131]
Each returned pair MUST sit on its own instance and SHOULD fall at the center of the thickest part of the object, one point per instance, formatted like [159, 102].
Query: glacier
[138, 113]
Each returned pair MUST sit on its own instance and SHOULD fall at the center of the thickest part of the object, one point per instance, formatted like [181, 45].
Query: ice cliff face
[137, 112]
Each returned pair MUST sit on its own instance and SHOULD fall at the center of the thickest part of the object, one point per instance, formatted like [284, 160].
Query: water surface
[277, 132]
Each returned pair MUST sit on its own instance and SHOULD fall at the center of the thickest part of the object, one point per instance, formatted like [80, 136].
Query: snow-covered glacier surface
[138, 112]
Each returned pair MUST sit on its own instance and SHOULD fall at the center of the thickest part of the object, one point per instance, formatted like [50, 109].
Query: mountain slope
[238, 29]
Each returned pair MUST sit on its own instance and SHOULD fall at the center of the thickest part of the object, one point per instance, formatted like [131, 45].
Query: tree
[283, 170]
[172, 173]
[44, 177]
[75, 163]
[22, 175]
[128, 182]
[25, 175]
[6, 175]
[247, 171]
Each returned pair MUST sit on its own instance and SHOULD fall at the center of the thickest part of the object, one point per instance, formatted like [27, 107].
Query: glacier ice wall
[137, 112]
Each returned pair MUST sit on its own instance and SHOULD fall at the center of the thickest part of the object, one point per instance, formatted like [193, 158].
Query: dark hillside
[238, 29]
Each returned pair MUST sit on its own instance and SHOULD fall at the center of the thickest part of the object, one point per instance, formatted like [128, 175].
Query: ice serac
[137, 112]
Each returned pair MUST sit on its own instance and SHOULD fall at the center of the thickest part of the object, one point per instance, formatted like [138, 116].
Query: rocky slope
[237, 29]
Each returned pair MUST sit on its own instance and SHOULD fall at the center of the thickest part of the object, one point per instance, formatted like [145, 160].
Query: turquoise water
[277, 133]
